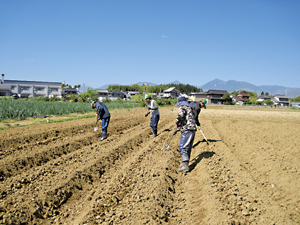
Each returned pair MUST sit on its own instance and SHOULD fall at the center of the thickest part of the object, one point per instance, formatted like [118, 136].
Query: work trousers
[186, 144]
[105, 123]
[153, 123]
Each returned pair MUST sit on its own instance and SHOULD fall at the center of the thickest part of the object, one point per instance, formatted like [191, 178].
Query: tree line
[183, 88]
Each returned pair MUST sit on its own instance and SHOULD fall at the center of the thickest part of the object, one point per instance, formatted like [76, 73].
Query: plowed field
[60, 173]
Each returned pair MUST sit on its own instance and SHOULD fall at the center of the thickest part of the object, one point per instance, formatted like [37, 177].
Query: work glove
[199, 127]
[149, 108]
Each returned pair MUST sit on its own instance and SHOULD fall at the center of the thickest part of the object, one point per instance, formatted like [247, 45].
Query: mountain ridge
[233, 85]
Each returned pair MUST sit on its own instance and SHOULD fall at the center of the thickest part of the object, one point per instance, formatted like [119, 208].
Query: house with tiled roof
[215, 96]
[129, 94]
[102, 94]
[171, 92]
[262, 98]
[244, 96]
[239, 100]
[114, 95]
[281, 100]
[197, 96]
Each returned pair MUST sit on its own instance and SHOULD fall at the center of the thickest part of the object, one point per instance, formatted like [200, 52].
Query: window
[24, 88]
[53, 89]
[39, 88]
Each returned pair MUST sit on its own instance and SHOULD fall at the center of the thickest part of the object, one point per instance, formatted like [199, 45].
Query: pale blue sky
[99, 42]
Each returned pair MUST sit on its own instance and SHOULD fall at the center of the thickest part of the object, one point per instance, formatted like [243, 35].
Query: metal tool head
[167, 146]
[95, 128]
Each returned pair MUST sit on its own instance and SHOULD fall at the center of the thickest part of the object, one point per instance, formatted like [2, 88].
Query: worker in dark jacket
[185, 122]
[197, 109]
[102, 114]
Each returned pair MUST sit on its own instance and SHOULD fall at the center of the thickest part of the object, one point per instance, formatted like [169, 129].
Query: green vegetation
[20, 109]
[267, 102]
[88, 96]
[154, 89]
[297, 99]
[228, 99]
[161, 102]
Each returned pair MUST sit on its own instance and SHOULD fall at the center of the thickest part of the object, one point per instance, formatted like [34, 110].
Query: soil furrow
[48, 206]
[60, 173]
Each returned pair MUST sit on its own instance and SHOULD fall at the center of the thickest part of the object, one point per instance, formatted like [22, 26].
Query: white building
[25, 89]
[197, 96]
[171, 92]
[281, 100]
[102, 94]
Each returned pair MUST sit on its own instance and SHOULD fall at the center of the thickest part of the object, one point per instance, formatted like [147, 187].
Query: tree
[268, 102]
[153, 89]
[227, 98]
[297, 99]
[234, 93]
[63, 85]
[252, 101]
[262, 93]
[252, 94]
[137, 98]
[89, 95]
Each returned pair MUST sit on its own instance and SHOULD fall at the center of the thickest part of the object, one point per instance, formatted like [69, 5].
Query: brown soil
[60, 173]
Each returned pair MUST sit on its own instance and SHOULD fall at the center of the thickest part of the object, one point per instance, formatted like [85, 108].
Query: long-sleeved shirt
[153, 108]
[185, 119]
[102, 110]
[197, 109]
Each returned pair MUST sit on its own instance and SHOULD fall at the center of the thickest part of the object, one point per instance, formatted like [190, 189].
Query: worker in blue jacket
[102, 114]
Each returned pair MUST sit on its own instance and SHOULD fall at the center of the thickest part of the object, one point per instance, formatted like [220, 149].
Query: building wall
[197, 97]
[35, 88]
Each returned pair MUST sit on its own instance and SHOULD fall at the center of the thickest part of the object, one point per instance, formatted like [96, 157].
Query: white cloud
[164, 36]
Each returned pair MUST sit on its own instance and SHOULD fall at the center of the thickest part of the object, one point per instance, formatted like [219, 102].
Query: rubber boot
[104, 135]
[184, 167]
[154, 134]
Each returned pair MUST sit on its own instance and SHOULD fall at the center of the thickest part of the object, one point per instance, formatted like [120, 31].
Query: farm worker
[197, 109]
[153, 110]
[103, 114]
[185, 122]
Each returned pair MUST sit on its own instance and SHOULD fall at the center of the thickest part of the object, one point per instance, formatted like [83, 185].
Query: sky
[100, 42]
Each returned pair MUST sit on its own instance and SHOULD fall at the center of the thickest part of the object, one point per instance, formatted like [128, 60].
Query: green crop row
[19, 110]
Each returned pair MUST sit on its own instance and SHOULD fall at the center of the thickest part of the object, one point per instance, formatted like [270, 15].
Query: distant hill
[145, 82]
[230, 85]
[176, 82]
[233, 85]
